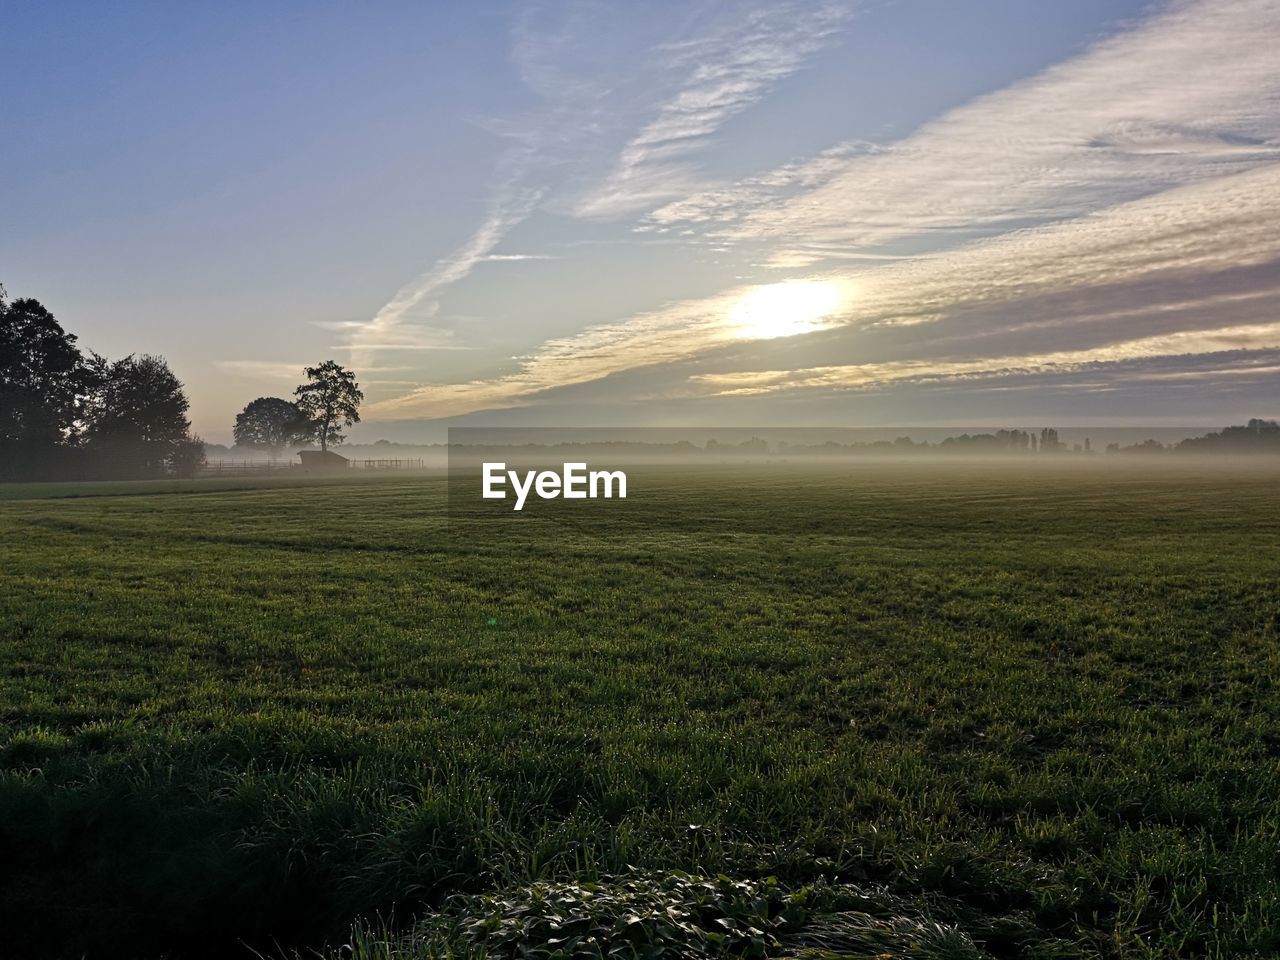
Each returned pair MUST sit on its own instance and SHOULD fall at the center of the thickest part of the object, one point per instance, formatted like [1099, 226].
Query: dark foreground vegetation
[1030, 712]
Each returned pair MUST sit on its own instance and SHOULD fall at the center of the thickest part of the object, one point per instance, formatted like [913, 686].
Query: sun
[785, 309]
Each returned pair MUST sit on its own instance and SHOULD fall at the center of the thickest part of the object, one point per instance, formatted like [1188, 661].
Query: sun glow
[785, 309]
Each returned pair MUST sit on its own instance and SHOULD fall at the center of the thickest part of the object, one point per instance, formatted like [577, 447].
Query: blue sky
[894, 212]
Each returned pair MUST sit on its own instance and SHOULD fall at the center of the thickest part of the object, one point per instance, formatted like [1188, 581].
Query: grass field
[902, 711]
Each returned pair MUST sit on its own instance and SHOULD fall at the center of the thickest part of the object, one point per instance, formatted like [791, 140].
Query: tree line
[71, 414]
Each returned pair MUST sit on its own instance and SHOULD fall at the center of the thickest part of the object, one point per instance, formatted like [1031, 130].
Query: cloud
[728, 67]
[1191, 94]
[1110, 272]
[410, 336]
[543, 39]
[1120, 206]
[263, 369]
[510, 205]
[292, 371]
[725, 204]
[865, 376]
[406, 346]
[664, 335]
[563, 55]
[727, 70]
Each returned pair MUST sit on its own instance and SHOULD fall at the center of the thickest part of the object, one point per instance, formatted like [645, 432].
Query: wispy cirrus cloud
[730, 62]
[542, 42]
[1190, 94]
[289, 371]
[387, 329]
[662, 336]
[282, 370]
[727, 70]
[862, 376]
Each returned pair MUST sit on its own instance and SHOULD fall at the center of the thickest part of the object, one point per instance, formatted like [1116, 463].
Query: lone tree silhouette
[329, 399]
[272, 423]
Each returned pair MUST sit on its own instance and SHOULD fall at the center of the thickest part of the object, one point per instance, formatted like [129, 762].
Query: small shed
[323, 461]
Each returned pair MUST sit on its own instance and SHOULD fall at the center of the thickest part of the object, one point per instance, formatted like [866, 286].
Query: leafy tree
[44, 382]
[137, 417]
[272, 423]
[330, 398]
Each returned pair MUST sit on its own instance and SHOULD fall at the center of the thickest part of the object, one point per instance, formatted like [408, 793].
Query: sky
[872, 212]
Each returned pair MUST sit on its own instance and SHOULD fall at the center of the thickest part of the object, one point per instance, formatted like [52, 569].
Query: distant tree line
[68, 414]
[1256, 436]
[998, 443]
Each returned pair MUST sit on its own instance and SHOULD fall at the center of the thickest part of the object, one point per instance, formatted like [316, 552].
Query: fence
[257, 468]
[244, 468]
[387, 464]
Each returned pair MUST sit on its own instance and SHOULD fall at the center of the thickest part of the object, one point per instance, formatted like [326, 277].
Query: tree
[187, 457]
[137, 418]
[44, 382]
[271, 423]
[330, 398]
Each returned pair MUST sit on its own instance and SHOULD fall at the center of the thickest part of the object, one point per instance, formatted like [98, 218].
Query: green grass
[926, 710]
